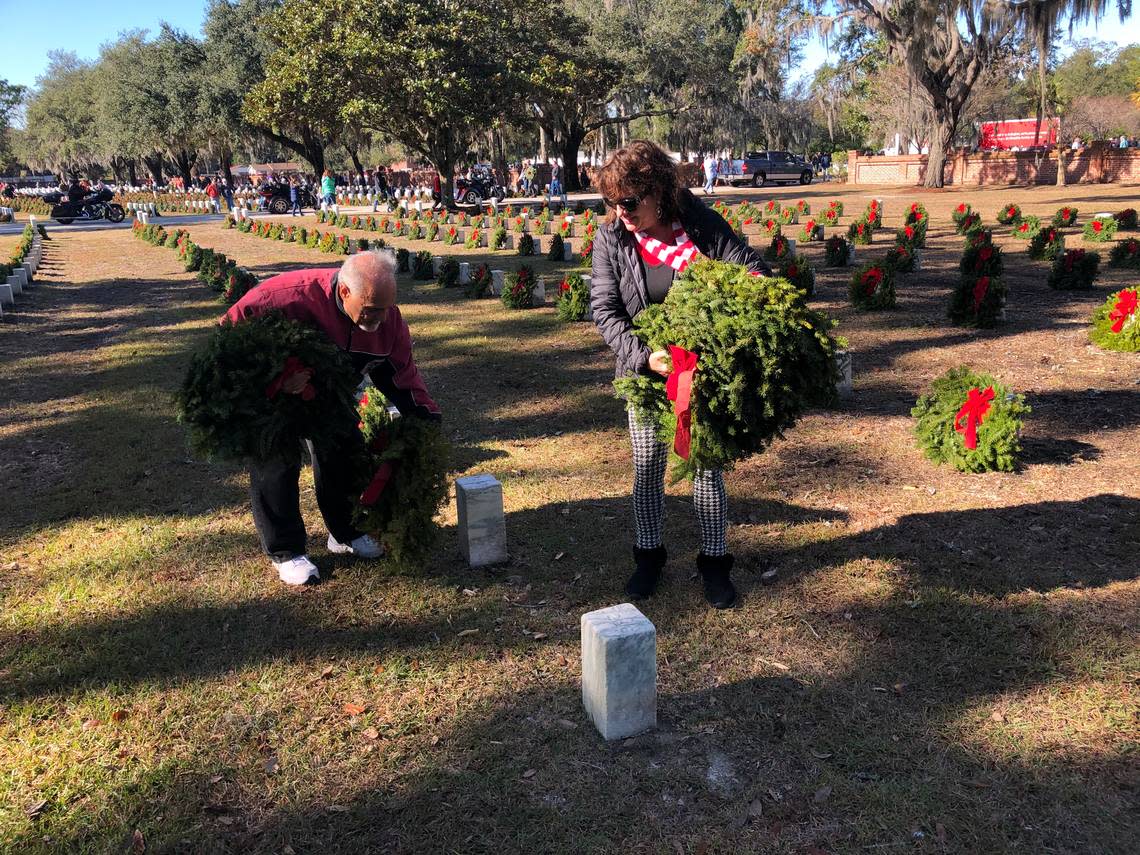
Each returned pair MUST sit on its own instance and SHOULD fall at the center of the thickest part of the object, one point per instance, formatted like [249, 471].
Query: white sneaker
[363, 547]
[297, 571]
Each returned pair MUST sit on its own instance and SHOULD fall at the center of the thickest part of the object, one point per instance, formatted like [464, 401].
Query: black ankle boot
[643, 582]
[719, 590]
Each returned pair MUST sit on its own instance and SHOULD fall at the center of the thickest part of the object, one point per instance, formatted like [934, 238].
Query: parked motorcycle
[479, 187]
[97, 206]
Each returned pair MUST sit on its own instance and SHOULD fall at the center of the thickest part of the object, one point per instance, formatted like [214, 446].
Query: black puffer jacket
[618, 292]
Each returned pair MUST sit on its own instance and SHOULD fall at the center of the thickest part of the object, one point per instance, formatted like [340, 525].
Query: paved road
[102, 225]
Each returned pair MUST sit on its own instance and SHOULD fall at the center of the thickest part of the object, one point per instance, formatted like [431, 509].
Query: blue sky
[37, 27]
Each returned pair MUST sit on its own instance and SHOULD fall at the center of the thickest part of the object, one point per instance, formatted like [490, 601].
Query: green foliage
[969, 224]
[981, 257]
[1009, 214]
[873, 286]
[573, 298]
[498, 238]
[1100, 229]
[901, 258]
[778, 249]
[229, 405]
[448, 273]
[1074, 271]
[1047, 244]
[860, 233]
[1116, 323]
[1125, 253]
[811, 231]
[835, 251]
[771, 227]
[765, 357]
[518, 288]
[422, 265]
[960, 213]
[998, 434]
[797, 270]
[525, 245]
[919, 220]
[557, 248]
[403, 260]
[1065, 216]
[474, 239]
[1026, 228]
[1126, 219]
[416, 455]
[481, 279]
[977, 300]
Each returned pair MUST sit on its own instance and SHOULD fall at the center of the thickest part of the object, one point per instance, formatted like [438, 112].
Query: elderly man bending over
[355, 307]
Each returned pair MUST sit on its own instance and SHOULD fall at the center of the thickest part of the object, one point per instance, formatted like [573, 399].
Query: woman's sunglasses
[627, 204]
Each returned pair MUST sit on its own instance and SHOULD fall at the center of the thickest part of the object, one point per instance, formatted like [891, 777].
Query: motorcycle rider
[75, 191]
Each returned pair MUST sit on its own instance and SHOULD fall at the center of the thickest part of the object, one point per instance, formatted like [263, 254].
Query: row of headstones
[7, 215]
[22, 278]
[498, 279]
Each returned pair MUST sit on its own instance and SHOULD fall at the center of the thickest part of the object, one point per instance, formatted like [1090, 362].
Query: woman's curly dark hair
[643, 169]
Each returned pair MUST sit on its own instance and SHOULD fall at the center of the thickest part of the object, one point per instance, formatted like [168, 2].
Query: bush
[1009, 214]
[802, 207]
[1116, 324]
[917, 217]
[403, 260]
[1065, 216]
[525, 245]
[764, 357]
[431, 231]
[860, 233]
[873, 287]
[451, 236]
[573, 298]
[1100, 229]
[557, 249]
[498, 238]
[874, 213]
[944, 423]
[1047, 244]
[518, 289]
[1027, 228]
[231, 400]
[831, 216]
[977, 300]
[969, 224]
[1074, 271]
[837, 206]
[474, 239]
[835, 252]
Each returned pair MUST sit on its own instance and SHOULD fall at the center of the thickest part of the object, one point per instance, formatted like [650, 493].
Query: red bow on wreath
[679, 389]
[973, 411]
[1125, 306]
[375, 488]
[293, 367]
[980, 289]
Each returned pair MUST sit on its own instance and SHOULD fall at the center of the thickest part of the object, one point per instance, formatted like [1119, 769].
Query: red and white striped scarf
[678, 255]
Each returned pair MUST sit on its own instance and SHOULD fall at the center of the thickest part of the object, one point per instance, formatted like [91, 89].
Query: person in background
[328, 189]
[710, 174]
[294, 196]
[584, 178]
[213, 193]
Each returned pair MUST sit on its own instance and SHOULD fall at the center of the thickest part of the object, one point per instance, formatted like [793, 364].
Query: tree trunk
[226, 156]
[542, 144]
[942, 139]
[499, 158]
[1061, 179]
[571, 143]
[154, 165]
[132, 175]
[183, 160]
[354, 154]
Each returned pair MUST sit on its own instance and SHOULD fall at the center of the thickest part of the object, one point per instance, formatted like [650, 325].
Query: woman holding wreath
[653, 229]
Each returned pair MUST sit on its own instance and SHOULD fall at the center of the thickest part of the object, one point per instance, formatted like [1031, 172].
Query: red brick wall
[1097, 163]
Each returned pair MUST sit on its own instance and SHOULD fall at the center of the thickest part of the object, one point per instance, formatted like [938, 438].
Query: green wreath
[403, 480]
[964, 406]
[763, 358]
[232, 401]
[1116, 324]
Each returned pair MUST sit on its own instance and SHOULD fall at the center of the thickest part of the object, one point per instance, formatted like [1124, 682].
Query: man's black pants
[276, 496]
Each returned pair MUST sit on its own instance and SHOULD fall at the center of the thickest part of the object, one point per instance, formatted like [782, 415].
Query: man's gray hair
[364, 266]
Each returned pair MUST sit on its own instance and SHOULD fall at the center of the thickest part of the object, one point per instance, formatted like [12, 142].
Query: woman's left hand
[659, 361]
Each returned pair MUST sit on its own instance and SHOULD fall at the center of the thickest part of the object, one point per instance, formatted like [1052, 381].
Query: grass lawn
[947, 663]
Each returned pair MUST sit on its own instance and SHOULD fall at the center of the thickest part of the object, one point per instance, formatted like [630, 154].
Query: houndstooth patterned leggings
[650, 457]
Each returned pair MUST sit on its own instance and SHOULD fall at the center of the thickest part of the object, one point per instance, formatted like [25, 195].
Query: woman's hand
[659, 361]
